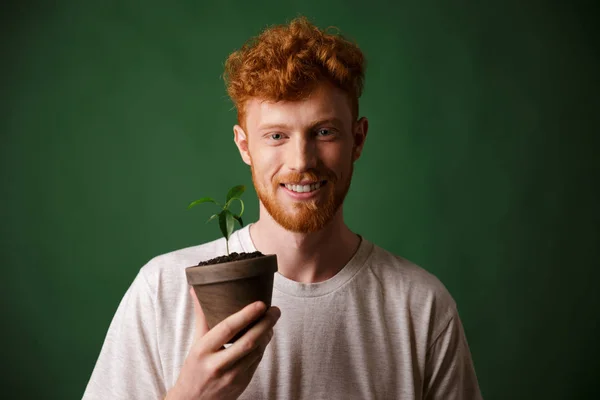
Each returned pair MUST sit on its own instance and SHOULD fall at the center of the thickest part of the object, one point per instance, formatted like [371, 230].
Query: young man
[349, 320]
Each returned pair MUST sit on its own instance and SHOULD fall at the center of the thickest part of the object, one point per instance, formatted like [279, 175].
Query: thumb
[201, 325]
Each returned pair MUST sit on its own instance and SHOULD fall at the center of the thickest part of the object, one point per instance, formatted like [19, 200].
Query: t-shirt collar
[298, 289]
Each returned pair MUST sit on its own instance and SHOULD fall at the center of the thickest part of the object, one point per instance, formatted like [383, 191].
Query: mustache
[297, 177]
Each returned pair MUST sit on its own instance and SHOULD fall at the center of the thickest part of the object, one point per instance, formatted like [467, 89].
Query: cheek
[337, 159]
[264, 162]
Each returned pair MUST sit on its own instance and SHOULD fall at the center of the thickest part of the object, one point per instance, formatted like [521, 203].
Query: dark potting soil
[231, 257]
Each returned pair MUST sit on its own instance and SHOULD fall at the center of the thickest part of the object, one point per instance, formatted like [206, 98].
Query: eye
[275, 138]
[324, 132]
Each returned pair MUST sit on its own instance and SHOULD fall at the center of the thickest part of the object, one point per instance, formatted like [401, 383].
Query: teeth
[303, 188]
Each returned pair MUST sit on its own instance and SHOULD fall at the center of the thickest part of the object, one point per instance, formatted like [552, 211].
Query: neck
[306, 257]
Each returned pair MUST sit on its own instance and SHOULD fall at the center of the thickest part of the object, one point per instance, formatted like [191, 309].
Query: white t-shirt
[382, 328]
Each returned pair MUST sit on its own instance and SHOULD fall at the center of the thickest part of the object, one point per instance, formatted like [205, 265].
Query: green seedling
[226, 217]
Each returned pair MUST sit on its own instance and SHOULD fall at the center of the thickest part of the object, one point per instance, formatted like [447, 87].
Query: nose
[303, 154]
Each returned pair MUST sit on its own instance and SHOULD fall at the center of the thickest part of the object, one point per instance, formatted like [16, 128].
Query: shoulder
[405, 274]
[413, 287]
[168, 269]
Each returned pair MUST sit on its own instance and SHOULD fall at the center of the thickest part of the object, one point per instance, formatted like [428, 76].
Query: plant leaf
[235, 191]
[212, 217]
[226, 207]
[202, 200]
[226, 220]
[239, 219]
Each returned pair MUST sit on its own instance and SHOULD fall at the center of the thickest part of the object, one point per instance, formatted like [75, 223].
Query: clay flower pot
[227, 284]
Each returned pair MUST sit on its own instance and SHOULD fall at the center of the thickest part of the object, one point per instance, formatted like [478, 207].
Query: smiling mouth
[303, 188]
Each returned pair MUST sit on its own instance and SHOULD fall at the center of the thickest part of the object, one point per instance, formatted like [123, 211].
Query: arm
[449, 371]
[129, 363]
[128, 366]
[212, 371]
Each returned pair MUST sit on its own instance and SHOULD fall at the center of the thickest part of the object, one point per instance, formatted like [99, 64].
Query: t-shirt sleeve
[128, 366]
[449, 370]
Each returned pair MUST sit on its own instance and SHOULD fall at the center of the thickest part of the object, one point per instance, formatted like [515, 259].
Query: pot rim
[231, 271]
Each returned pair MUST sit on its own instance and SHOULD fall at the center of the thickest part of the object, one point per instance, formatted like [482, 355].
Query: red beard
[308, 215]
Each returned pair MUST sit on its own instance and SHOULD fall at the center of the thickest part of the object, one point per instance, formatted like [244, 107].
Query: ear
[361, 128]
[241, 141]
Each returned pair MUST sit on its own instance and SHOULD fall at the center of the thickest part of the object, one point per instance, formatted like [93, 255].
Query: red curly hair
[286, 62]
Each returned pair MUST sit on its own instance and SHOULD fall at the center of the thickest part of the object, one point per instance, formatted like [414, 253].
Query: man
[349, 320]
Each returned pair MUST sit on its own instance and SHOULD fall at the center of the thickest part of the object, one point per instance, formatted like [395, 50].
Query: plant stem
[227, 245]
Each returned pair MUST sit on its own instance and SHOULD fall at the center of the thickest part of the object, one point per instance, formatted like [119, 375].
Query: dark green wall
[479, 165]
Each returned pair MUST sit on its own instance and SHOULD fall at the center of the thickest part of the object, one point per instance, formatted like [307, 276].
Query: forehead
[325, 102]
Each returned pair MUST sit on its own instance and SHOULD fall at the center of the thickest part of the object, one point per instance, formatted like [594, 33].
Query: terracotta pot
[225, 288]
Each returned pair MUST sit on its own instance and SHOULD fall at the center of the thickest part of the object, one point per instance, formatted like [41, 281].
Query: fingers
[201, 324]
[258, 337]
[243, 370]
[251, 361]
[230, 326]
[251, 369]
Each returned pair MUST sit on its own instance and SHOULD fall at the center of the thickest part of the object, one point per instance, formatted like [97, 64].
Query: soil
[231, 257]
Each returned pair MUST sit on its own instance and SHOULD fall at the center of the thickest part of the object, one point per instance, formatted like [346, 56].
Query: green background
[479, 166]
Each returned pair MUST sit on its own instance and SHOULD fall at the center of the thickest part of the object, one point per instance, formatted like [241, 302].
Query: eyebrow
[333, 121]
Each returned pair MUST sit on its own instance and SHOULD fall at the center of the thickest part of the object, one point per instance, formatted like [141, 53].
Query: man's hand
[212, 371]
